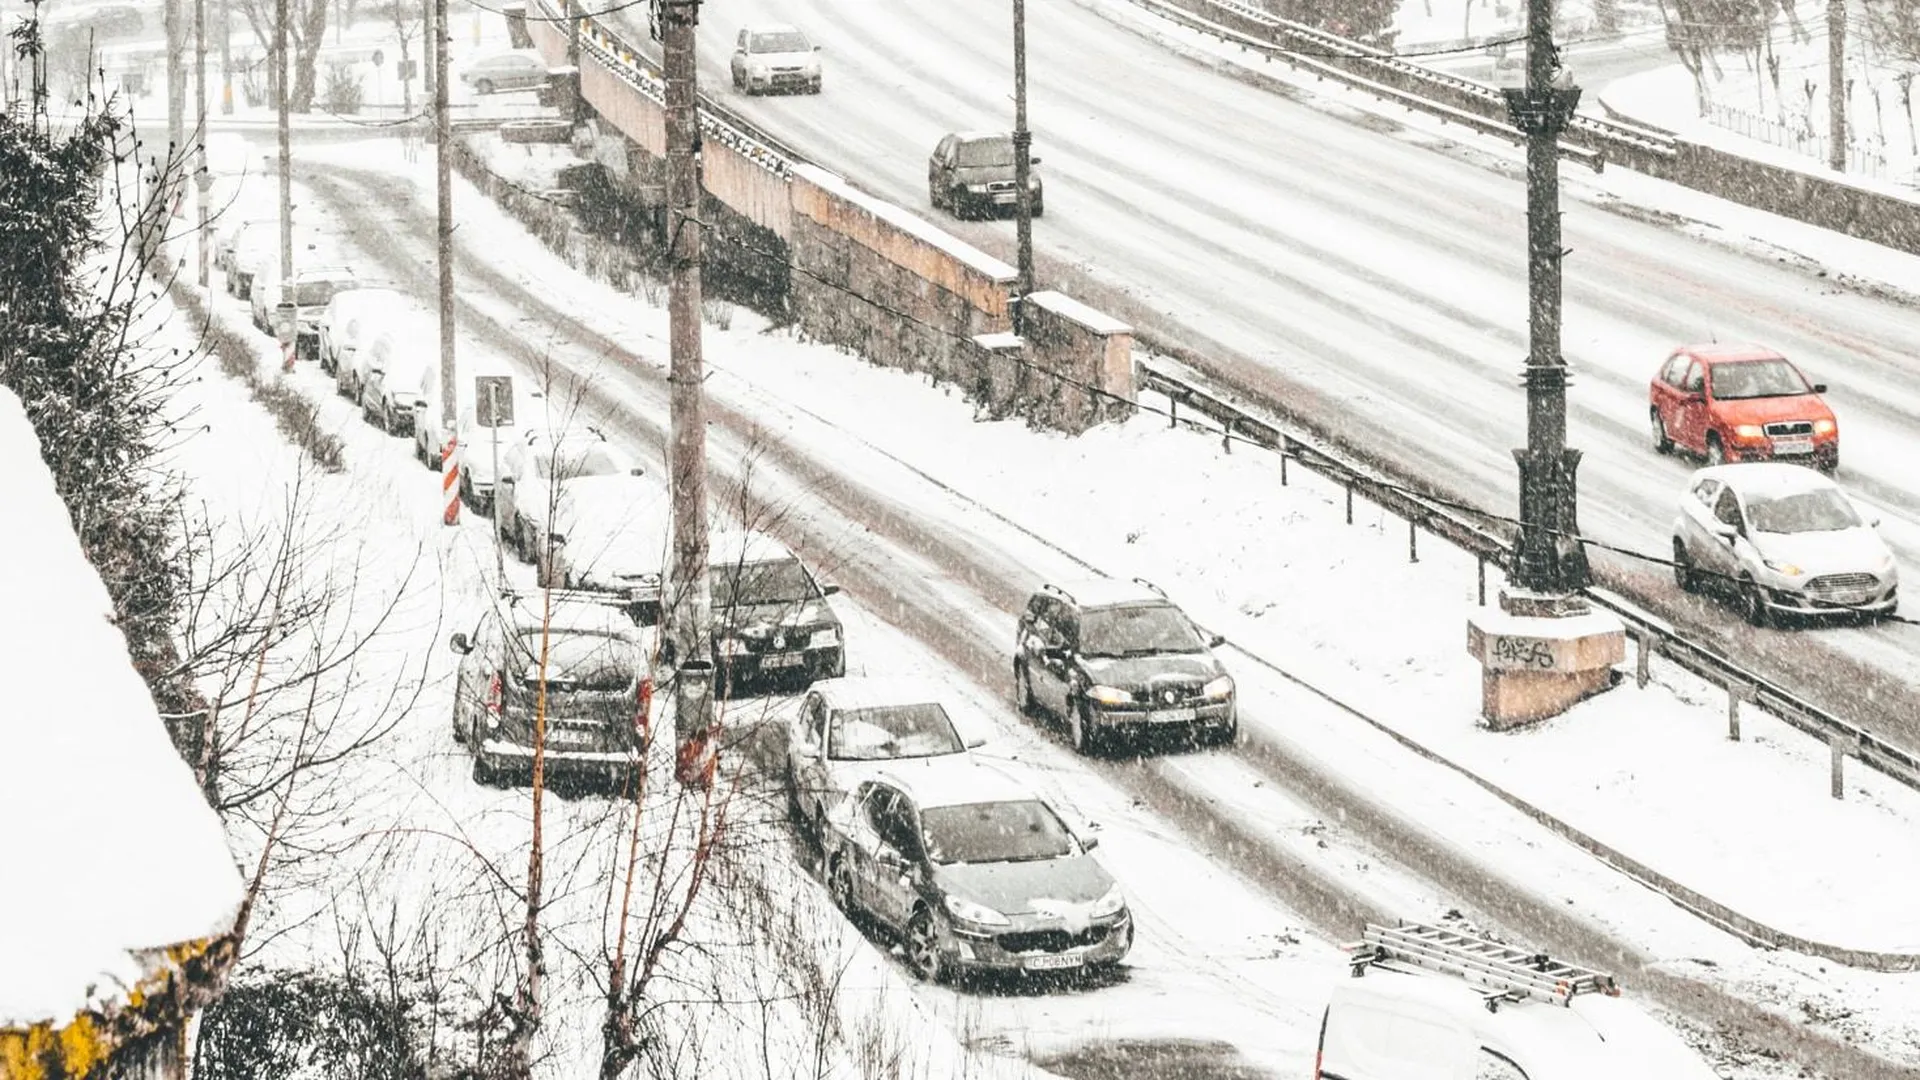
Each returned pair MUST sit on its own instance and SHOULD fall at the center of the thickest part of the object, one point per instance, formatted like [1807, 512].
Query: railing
[1861, 160]
[1588, 140]
[1652, 635]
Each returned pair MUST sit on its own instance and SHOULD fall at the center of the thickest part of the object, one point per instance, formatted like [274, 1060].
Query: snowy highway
[1366, 276]
[1276, 811]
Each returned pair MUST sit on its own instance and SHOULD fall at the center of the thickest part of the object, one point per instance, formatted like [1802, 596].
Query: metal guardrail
[1188, 388]
[1588, 139]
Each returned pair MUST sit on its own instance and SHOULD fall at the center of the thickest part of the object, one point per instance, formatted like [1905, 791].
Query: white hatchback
[1781, 539]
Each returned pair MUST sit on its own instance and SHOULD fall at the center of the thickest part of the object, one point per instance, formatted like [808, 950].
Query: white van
[390, 373]
[1429, 1003]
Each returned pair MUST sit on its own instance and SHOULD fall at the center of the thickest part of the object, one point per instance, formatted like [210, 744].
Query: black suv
[971, 173]
[1109, 656]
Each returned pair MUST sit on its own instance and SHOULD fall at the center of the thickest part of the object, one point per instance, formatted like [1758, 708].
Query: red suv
[1741, 403]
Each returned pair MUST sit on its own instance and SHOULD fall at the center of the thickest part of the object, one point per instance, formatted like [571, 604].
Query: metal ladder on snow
[1503, 972]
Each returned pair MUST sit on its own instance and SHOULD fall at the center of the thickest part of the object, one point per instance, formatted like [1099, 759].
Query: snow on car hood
[784, 59]
[1127, 671]
[1842, 551]
[1063, 887]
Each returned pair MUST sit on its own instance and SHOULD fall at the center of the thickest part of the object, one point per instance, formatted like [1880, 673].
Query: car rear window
[893, 731]
[578, 660]
[1023, 831]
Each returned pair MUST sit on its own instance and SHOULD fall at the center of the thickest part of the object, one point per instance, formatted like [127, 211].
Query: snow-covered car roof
[1770, 478]
[772, 28]
[956, 780]
[572, 613]
[877, 691]
[1715, 351]
[112, 852]
[727, 546]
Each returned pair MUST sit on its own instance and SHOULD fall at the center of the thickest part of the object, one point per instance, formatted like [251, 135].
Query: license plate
[1172, 716]
[1793, 444]
[1005, 197]
[564, 737]
[1053, 962]
[774, 660]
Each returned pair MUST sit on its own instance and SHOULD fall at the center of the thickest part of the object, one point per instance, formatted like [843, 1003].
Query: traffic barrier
[450, 481]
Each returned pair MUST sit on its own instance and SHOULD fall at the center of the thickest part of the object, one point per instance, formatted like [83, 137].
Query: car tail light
[644, 698]
[496, 694]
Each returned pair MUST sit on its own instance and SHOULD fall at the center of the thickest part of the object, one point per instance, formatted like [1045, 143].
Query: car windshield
[780, 582]
[316, 293]
[1801, 512]
[1757, 379]
[893, 731]
[570, 462]
[784, 41]
[986, 152]
[1137, 630]
[581, 659]
[1024, 831]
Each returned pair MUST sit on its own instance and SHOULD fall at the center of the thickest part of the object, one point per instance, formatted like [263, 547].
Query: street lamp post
[1022, 145]
[1549, 560]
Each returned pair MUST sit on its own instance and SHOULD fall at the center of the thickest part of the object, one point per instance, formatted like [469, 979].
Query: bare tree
[1894, 28]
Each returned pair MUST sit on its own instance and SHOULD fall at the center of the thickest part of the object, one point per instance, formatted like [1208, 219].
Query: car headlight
[1787, 568]
[1748, 431]
[824, 639]
[979, 914]
[730, 647]
[978, 189]
[758, 69]
[1220, 689]
[1111, 904]
[1824, 427]
[1109, 695]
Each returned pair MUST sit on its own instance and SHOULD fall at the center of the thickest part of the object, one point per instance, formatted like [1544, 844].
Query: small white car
[390, 375]
[848, 729]
[340, 322]
[774, 56]
[524, 492]
[505, 71]
[608, 533]
[1781, 539]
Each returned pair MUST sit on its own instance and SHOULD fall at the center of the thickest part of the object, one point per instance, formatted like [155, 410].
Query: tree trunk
[311, 28]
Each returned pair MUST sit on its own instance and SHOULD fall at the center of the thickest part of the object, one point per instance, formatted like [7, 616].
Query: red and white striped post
[286, 358]
[450, 481]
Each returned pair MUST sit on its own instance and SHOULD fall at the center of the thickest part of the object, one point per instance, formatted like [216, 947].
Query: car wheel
[434, 460]
[1661, 443]
[794, 812]
[1080, 727]
[459, 735]
[923, 948]
[956, 203]
[1716, 451]
[483, 86]
[814, 88]
[483, 773]
[1039, 208]
[1683, 573]
[840, 887]
[1753, 602]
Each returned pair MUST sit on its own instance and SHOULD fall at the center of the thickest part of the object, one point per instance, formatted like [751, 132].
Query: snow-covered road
[1374, 285]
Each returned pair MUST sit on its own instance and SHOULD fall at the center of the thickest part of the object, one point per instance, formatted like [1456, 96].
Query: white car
[390, 383]
[774, 57]
[351, 360]
[505, 71]
[1781, 539]
[524, 493]
[340, 322]
[848, 729]
[430, 430]
[608, 533]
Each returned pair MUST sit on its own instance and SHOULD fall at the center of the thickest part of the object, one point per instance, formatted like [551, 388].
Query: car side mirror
[459, 643]
[1214, 641]
[829, 590]
[975, 742]
[1819, 388]
[636, 471]
[1055, 653]
[818, 48]
[1031, 160]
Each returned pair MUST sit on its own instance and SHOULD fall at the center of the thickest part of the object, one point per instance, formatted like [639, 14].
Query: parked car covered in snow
[524, 493]
[974, 872]
[849, 729]
[593, 686]
[347, 313]
[517, 70]
[608, 532]
[390, 375]
[1781, 540]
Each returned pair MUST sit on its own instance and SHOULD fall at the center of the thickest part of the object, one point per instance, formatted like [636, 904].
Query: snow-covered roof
[572, 612]
[876, 691]
[1731, 351]
[109, 846]
[1095, 592]
[1771, 478]
[958, 780]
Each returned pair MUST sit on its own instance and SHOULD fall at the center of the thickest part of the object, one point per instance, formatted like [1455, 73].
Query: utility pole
[176, 89]
[1837, 83]
[443, 183]
[202, 181]
[690, 619]
[286, 142]
[1022, 148]
[1550, 559]
[430, 63]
